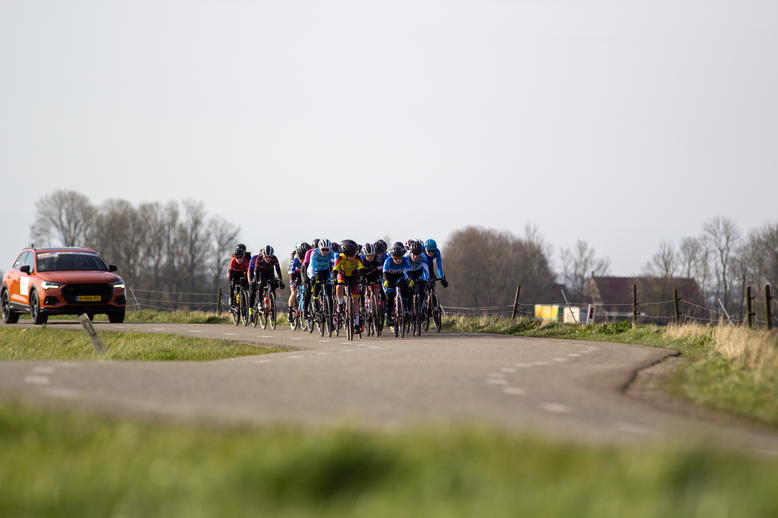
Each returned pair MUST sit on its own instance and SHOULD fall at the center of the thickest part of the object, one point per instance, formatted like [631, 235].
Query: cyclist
[419, 269]
[295, 276]
[348, 266]
[374, 267]
[432, 254]
[318, 268]
[395, 271]
[261, 274]
[239, 265]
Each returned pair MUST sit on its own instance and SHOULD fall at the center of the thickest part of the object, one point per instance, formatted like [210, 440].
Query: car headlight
[118, 284]
[48, 285]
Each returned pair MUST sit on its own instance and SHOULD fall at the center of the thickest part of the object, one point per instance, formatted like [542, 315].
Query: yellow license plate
[88, 298]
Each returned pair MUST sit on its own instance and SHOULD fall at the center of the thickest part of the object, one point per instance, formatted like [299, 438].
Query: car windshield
[69, 261]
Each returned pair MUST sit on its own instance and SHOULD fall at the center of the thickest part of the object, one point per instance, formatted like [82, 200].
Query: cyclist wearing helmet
[374, 267]
[348, 266]
[295, 275]
[419, 270]
[432, 254]
[395, 272]
[261, 273]
[318, 268]
[239, 265]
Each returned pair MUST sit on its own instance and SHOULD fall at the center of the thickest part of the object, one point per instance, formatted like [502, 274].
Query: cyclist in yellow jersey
[347, 267]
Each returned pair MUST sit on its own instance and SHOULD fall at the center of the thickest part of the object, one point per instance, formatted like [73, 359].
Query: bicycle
[415, 305]
[322, 313]
[371, 312]
[398, 323]
[267, 305]
[346, 318]
[297, 320]
[239, 308]
[432, 308]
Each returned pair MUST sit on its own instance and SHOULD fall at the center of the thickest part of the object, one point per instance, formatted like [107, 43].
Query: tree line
[173, 248]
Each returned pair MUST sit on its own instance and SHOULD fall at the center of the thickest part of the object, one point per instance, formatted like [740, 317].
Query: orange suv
[61, 281]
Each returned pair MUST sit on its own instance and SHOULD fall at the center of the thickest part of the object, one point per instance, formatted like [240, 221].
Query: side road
[563, 388]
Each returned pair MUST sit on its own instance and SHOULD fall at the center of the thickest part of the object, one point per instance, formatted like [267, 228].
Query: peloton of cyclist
[261, 274]
[347, 267]
[395, 271]
[432, 254]
[239, 265]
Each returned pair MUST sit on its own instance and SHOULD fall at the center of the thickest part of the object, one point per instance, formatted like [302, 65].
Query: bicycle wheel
[321, 317]
[328, 316]
[263, 310]
[309, 320]
[427, 314]
[244, 306]
[256, 312]
[435, 310]
[235, 314]
[400, 320]
[419, 314]
[271, 310]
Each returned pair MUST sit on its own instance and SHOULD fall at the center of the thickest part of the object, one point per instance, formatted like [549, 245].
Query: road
[567, 389]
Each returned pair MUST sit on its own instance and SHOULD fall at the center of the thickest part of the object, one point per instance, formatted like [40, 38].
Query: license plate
[88, 298]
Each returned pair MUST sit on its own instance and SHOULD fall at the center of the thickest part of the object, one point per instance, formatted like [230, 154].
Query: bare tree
[578, 263]
[664, 264]
[224, 236]
[195, 242]
[66, 216]
[723, 236]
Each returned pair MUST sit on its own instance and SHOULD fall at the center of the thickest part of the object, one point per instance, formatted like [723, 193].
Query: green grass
[65, 463]
[162, 317]
[50, 344]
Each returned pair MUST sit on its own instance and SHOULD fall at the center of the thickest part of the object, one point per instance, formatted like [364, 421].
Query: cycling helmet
[396, 244]
[302, 248]
[369, 249]
[398, 251]
[315, 243]
[431, 245]
[240, 251]
[416, 247]
[380, 246]
[324, 244]
[267, 251]
[348, 249]
[335, 247]
[349, 241]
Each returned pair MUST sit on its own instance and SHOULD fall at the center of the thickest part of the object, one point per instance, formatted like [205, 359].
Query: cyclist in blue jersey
[419, 269]
[295, 274]
[395, 272]
[320, 269]
[432, 254]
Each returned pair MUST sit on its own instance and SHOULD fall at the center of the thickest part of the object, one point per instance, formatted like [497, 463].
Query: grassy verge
[65, 463]
[733, 369]
[163, 317]
[49, 344]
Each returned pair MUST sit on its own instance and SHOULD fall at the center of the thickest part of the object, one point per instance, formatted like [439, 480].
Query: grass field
[65, 463]
[49, 344]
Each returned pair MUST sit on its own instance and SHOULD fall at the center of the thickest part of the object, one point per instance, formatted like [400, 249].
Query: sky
[620, 123]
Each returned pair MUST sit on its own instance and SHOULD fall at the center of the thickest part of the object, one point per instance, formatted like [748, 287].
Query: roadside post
[515, 302]
[749, 312]
[219, 302]
[97, 342]
[568, 306]
[768, 314]
[634, 305]
[675, 306]
[590, 314]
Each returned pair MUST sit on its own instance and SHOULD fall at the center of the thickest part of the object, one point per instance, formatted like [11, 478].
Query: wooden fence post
[768, 314]
[634, 305]
[675, 305]
[749, 314]
[219, 302]
[516, 302]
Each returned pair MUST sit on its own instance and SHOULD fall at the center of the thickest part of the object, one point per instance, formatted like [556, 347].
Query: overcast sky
[620, 123]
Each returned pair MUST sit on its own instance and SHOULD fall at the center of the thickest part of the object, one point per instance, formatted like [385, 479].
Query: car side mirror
[113, 267]
[25, 269]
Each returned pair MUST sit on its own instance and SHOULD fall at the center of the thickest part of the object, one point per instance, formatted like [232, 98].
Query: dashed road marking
[373, 347]
[542, 363]
[323, 353]
[37, 380]
[514, 391]
[574, 355]
[195, 331]
[265, 336]
[347, 350]
[43, 370]
[555, 408]
[296, 338]
[324, 341]
[560, 359]
[231, 334]
[156, 329]
[262, 361]
[634, 428]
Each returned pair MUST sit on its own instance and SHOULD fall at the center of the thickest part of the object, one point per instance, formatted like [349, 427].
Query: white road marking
[324, 341]
[231, 334]
[496, 381]
[43, 370]
[195, 331]
[585, 352]
[560, 359]
[37, 380]
[61, 393]
[265, 336]
[347, 350]
[634, 428]
[156, 329]
[261, 361]
[508, 369]
[574, 355]
[555, 408]
[373, 347]
[514, 391]
[542, 363]
[323, 353]
[296, 338]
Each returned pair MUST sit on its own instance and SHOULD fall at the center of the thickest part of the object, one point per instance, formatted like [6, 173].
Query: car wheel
[9, 316]
[116, 317]
[37, 316]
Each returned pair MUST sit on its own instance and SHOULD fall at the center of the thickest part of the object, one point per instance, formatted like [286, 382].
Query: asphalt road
[559, 388]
